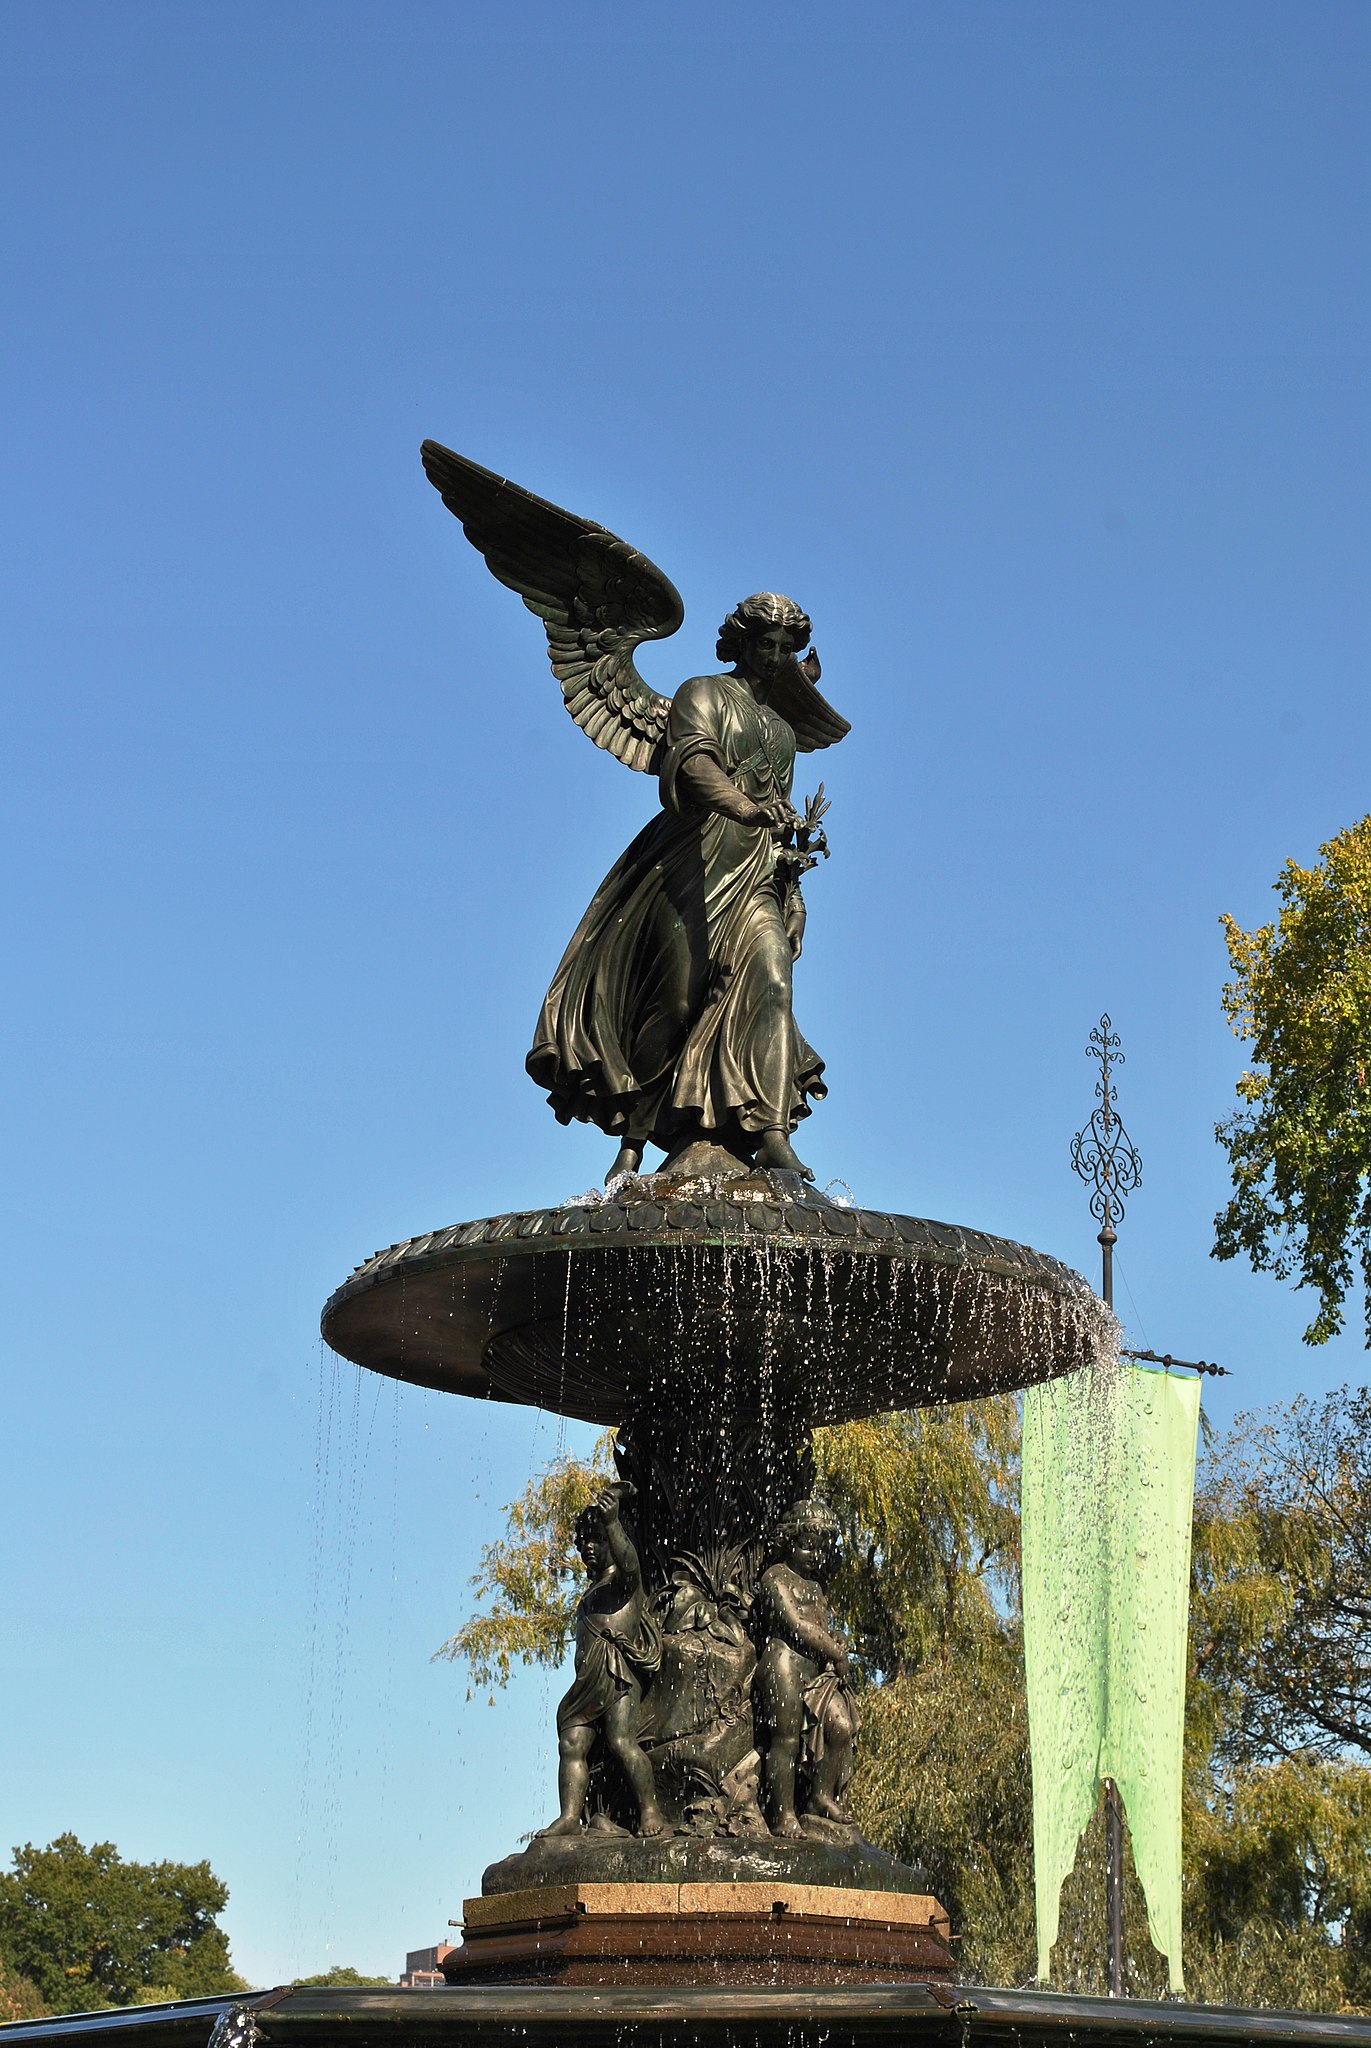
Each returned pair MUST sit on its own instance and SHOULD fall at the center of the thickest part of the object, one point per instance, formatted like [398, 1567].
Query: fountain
[702, 1884]
[715, 1323]
[715, 1311]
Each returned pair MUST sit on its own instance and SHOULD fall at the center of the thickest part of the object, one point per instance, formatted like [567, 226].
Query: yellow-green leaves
[1300, 1151]
[529, 1577]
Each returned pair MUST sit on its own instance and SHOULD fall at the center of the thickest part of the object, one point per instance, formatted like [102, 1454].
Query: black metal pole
[1113, 1805]
[1109, 1237]
[1105, 1158]
[1113, 1883]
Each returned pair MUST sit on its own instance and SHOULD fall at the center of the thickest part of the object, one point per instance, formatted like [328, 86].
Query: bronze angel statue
[669, 1020]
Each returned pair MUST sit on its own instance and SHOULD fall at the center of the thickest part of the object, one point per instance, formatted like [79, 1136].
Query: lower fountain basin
[779, 1297]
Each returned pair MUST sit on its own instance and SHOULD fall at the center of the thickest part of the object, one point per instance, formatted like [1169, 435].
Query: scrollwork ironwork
[1102, 1153]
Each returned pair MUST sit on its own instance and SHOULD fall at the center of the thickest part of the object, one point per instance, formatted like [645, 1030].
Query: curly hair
[754, 615]
[805, 1518]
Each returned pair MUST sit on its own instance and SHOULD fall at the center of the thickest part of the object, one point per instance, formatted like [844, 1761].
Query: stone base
[828, 1855]
[735, 1934]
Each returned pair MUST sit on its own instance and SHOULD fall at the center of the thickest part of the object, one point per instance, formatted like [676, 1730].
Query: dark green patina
[512, 2016]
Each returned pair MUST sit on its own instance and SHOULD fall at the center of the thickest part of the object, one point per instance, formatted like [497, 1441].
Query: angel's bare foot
[627, 1159]
[788, 1826]
[827, 1808]
[651, 1821]
[565, 1824]
[777, 1153]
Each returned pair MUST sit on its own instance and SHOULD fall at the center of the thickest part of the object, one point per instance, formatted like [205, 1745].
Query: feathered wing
[597, 597]
[811, 718]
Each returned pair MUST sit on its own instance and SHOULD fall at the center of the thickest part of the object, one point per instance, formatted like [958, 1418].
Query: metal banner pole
[1105, 1158]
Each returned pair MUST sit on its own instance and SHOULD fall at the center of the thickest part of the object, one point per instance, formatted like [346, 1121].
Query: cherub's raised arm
[621, 1549]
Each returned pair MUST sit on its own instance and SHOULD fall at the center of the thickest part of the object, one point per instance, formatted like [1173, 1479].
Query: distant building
[422, 1967]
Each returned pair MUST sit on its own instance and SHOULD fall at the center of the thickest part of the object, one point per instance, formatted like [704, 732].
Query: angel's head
[764, 633]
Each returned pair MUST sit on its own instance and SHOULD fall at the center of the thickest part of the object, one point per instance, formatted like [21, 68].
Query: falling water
[349, 1427]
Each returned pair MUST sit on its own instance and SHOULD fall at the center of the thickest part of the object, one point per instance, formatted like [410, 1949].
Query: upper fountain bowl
[601, 1308]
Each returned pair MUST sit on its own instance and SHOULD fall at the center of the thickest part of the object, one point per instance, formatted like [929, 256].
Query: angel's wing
[597, 597]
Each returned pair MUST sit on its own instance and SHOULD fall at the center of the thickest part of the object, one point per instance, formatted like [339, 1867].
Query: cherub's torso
[603, 1609]
[784, 1592]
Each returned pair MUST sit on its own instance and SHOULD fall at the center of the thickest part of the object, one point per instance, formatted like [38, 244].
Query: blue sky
[1025, 344]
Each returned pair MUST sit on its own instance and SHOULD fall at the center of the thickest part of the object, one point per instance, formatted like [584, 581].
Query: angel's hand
[746, 811]
[778, 816]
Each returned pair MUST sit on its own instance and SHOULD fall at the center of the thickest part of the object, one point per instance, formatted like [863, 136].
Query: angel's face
[768, 652]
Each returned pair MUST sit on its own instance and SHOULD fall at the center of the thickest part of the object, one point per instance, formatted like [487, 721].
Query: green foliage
[1282, 1609]
[927, 1504]
[1277, 1825]
[20, 1998]
[1278, 1804]
[88, 1929]
[340, 1978]
[529, 1576]
[1300, 1152]
[928, 1507]
[1278, 1881]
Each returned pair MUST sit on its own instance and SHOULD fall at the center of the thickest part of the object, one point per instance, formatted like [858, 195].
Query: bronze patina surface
[714, 1311]
[689, 2016]
[710, 1730]
[593, 1310]
[670, 1018]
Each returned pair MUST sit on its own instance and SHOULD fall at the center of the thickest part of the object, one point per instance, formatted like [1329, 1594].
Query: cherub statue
[806, 1717]
[669, 1020]
[618, 1645]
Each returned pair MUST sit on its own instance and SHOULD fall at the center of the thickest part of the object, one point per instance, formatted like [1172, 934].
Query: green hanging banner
[1108, 1496]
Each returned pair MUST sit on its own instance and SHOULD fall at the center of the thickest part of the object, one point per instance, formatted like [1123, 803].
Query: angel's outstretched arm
[713, 790]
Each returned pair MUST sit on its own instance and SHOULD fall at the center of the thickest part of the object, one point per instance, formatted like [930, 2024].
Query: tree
[928, 1507]
[531, 1574]
[19, 1997]
[1283, 1581]
[1277, 1834]
[88, 1929]
[342, 1977]
[1278, 1805]
[1300, 1152]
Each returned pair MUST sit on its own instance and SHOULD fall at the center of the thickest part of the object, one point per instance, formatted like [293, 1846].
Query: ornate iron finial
[1103, 1154]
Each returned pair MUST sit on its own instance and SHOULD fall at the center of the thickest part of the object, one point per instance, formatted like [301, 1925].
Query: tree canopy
[342, 1977]
[1283, 1577]
[1300, 1151]
[86, 1929]
[1278, 1789]
[20, 1998]
[529, 1577]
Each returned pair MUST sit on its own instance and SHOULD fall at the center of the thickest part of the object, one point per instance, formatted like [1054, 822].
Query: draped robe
[615, 1649]
[670, 1014]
